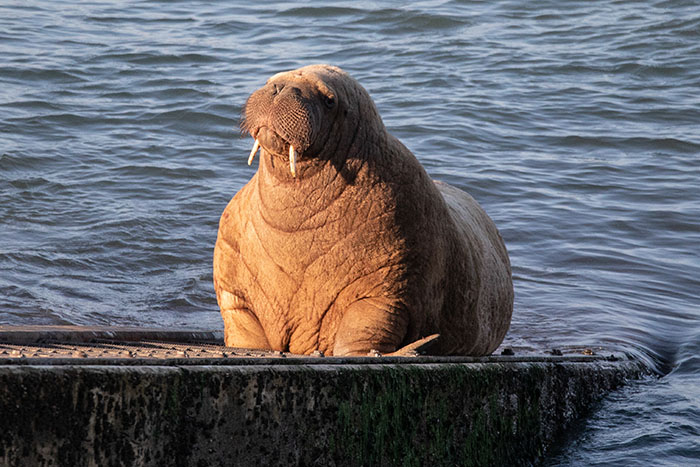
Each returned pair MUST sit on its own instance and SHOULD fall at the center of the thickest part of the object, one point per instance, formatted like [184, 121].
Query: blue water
[576, 125]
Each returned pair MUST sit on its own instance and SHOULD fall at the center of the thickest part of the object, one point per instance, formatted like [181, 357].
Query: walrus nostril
[278, 90]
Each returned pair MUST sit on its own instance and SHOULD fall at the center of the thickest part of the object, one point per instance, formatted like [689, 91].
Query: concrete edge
[314, 361]
[82, 334]
[476, 413]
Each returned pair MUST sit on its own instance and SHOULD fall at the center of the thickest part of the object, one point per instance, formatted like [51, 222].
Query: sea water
[575, 124]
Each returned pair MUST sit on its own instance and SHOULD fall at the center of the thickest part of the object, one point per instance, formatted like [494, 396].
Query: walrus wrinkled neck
[287, 202]
[275, 168]
[303, 201]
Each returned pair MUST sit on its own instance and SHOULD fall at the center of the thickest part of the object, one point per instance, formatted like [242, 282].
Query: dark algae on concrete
[480, 414]
[296, 411]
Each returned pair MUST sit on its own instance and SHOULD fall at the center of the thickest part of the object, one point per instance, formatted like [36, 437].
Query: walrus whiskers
[256, 146]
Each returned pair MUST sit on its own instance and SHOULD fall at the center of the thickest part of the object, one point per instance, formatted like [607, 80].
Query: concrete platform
[124, 396]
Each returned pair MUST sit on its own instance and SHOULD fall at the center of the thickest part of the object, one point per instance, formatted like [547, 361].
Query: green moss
[172, 401]
[410, 416]
[377, 422]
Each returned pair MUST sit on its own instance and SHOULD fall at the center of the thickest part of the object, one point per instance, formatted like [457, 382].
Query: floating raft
[125, 396]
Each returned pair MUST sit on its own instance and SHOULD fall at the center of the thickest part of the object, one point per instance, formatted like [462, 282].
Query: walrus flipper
[424, 346]
[370, 323]
[242, 328]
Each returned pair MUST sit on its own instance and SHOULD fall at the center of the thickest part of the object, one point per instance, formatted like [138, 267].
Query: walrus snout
[285, 110]
[281, 120]
[288, 115]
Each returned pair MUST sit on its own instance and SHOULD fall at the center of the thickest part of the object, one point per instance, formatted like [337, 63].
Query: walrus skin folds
[342, 243]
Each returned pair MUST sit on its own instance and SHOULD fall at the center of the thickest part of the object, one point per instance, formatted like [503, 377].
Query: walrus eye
[330, 101]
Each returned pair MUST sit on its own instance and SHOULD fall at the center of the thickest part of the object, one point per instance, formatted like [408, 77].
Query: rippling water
[575, 124]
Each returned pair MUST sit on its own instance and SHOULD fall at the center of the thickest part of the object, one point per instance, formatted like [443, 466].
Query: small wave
[321, 12]
[40, 75]
[155, 58]
[140, 19]
[636, 142]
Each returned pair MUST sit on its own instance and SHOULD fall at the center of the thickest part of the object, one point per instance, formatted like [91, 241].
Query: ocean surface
[575, 124]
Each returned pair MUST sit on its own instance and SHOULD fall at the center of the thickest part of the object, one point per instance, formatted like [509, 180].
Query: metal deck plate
[78, 345]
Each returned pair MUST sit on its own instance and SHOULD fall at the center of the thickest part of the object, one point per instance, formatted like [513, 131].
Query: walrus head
[296, 112]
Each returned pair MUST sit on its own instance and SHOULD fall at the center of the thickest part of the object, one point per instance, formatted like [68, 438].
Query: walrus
[342, 244]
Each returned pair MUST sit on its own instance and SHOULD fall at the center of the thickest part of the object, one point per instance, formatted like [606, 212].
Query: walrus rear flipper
[370, 323]
[420, 347]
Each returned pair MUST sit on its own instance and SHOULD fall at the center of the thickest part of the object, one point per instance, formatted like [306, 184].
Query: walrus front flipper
[241, 327]
[243, 330]
[370, 323]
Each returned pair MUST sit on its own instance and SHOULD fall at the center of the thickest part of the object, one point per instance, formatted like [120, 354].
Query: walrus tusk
[293, 160]
[256, 146]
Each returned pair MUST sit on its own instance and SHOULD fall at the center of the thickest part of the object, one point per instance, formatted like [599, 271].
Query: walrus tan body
[342, 243]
